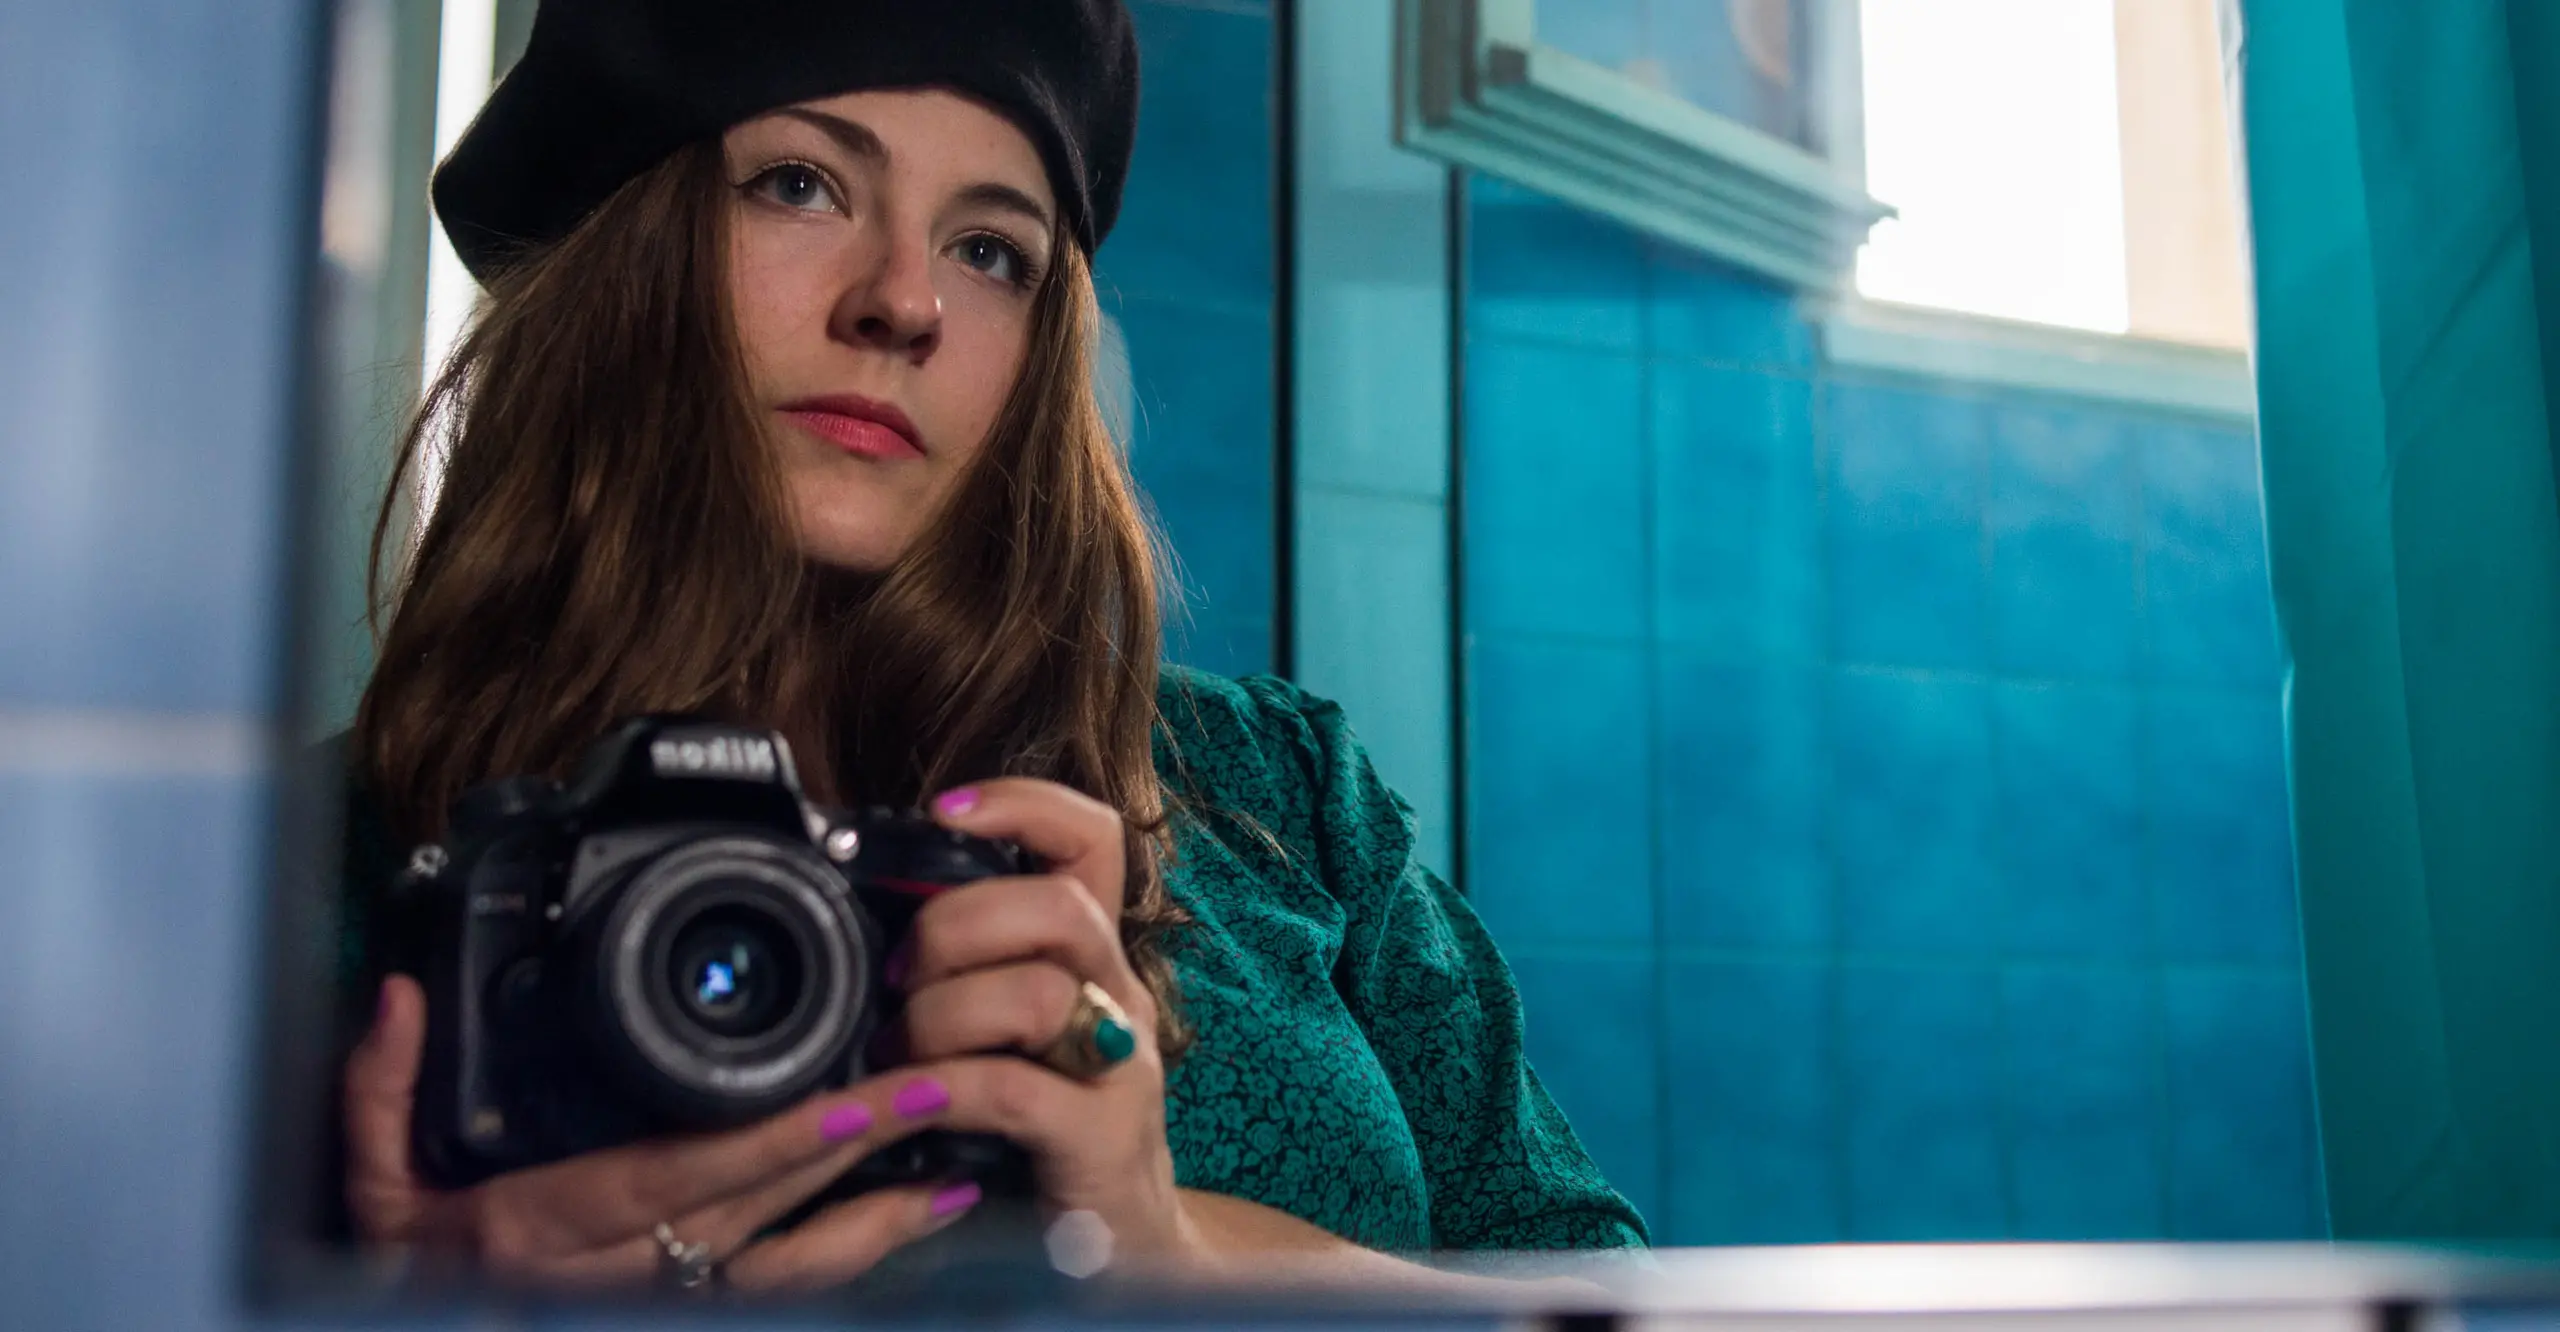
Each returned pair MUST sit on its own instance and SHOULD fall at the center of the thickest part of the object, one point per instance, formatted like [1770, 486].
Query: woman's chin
[856, 543]
[848, 559]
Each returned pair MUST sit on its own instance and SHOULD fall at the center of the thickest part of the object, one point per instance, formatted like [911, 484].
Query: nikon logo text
[721, 756]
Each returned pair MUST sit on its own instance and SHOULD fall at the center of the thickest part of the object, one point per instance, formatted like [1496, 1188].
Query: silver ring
[688, 1268]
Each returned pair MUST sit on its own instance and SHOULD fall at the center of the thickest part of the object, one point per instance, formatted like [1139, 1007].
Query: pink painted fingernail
[921, 1097]
[845, 1121]
[958, 1198]
[955, 803]
[902, 959]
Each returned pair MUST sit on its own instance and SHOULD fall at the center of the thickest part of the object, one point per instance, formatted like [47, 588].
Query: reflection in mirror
[1850, 790]
[1821, 762]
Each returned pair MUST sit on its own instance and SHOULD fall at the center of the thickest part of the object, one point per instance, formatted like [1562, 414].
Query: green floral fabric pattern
[1359, 1061]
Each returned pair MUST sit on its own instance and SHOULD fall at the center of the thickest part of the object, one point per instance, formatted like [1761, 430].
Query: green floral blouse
[1358, 1059]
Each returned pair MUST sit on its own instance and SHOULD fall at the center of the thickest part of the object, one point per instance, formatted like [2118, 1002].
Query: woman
[780, 411]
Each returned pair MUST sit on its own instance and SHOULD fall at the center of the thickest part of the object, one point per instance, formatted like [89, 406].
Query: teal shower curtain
[2404, 183]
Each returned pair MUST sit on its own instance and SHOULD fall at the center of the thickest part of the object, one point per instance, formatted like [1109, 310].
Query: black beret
[608, 88]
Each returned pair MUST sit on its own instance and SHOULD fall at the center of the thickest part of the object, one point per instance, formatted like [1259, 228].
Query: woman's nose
[894, 307]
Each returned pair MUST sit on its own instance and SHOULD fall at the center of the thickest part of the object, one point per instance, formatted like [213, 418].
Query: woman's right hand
[588, 1223]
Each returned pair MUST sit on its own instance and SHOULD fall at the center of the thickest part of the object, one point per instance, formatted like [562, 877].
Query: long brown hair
[612, 538]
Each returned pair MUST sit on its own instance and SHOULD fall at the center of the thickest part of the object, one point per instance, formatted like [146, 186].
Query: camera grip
[994, 1164]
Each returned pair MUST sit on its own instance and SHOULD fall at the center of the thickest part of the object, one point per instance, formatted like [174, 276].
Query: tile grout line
[1740, 955]
[1283, 349]
[1835, 972]
[2252, 690]
[1461, 713]
[1994, 822]
[2145, 783]
[1649, 561]
[120, 742]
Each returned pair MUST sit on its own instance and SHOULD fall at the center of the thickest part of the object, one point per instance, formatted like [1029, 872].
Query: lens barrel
[730, 978]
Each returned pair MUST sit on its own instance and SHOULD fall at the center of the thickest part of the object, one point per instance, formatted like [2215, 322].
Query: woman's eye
[995, 257]
[794, 185]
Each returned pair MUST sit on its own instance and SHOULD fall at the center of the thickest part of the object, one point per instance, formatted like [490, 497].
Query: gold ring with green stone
[1096, 1039]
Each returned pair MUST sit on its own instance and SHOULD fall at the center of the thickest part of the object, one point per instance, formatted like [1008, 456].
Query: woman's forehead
[920, 130]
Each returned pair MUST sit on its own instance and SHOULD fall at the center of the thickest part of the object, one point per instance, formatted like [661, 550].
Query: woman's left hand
[994, 969]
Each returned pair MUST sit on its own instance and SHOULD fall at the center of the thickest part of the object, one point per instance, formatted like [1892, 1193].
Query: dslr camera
[674, 940]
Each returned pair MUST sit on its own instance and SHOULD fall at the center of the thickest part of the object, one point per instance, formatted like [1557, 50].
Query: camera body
[675, 940]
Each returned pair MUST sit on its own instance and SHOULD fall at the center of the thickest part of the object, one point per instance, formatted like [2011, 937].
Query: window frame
[1857, 333]
[1476, 89]
[1927, 342]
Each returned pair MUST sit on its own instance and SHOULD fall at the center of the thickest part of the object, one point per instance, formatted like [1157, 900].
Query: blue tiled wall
[1369, 412]
[1187, 276]
[1878, 785]
[142, 507]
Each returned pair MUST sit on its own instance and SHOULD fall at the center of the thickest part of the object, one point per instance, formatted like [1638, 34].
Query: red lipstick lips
[861, 426]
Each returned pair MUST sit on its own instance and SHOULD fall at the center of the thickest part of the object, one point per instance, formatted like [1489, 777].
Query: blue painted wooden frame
[1477, 89]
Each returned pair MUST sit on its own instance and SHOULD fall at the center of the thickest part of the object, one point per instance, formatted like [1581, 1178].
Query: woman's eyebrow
[856, 139]
[990, 194]
[852, 136]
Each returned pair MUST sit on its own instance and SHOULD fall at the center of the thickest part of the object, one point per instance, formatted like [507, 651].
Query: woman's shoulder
[1241, 741]
[1242, 759]
[1203, 706]
[1260, 755]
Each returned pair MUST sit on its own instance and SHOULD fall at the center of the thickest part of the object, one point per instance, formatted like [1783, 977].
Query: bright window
[468, 40]
[2061, 162]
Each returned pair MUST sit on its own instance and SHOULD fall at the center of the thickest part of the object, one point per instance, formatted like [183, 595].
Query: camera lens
[728, 977]
[736, 970]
